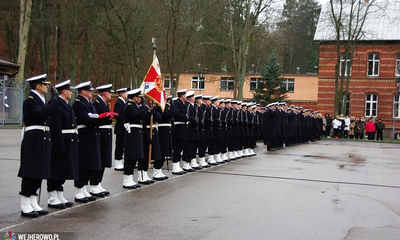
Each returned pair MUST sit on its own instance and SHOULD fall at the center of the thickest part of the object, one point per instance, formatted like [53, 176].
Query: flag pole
[153, 40]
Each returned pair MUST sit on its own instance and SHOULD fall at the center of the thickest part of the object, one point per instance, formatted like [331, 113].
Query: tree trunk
[24, 23]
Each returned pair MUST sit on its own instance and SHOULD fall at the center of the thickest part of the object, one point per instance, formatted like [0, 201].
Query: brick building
[374, 70]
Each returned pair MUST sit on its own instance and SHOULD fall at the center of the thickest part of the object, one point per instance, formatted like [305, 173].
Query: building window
[398, 65]
[373, 64]
[167, 82]
[227, 83]
[197, 83]
[396, 107]
[345, 65]
[288, 84]
[255, 83]
[371, 105]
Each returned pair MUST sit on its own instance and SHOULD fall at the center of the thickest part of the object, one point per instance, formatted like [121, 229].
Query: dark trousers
[119, 147]
[84, 177]
[97, 177]
[55, 185]
[336, 132]
[178, 146]
[224, 145]
[371, 135]
[188, 151]
[29, 186]
[232, 144]
[359, 136]
[272, 143]
[379, 135]
[129, 165]
[202, 148]
[328, 131]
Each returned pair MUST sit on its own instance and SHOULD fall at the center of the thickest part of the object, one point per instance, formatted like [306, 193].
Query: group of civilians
[351, 127]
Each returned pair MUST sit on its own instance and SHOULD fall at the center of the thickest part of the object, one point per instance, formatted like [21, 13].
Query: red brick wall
[360, 85]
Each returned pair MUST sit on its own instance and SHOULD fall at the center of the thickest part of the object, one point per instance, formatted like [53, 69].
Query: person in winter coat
[379, 129]
[337, 125]
[370, 129]
[351, 127]
[346, 127]
[358, 129]
[328, 126]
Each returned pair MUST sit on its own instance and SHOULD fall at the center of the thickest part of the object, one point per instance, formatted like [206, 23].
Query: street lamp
[200, 77]
[396, 106]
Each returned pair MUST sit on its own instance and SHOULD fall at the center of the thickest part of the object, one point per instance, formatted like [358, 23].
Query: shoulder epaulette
[97, 101]
[129, 103]
[30, 97]
[77, 100]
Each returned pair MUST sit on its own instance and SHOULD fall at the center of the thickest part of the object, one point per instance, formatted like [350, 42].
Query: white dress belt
[164, 125]
[66, 131]
[128, 126]
[177, 123]
[106, 126]
[155, 126]
[37, 127]
[80, 126]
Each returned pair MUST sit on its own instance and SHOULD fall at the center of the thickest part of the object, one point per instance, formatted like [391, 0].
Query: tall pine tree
[270, 89]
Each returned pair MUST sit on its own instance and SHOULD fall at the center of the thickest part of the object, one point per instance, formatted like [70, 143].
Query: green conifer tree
[270, 89]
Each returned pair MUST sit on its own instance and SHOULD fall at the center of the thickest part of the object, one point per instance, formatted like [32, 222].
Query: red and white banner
[153, 85]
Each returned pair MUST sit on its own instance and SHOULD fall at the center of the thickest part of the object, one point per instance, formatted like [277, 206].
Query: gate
[11, 99]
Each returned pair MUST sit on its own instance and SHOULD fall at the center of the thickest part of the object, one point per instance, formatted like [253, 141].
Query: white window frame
[374, 63]
[286, 83]
[398, 107]
[167, 78]
[397, 70]
[256, 81]
[198, 81]
[347, 65]
[227, 80]
[371, 102]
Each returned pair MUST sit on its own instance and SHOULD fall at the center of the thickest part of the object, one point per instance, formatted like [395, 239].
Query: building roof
[381, 24]
[7, 67]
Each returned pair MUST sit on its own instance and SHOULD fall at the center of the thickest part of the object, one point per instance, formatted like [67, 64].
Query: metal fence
[11, 99]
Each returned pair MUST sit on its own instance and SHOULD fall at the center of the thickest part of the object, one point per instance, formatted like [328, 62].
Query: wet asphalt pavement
[330, 189]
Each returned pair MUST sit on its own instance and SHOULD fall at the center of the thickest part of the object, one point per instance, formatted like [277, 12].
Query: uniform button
[78, 140]
[95, 133]
[108, 133]
[72, 140]
[49, 139]
[44, 138]
[73, 125]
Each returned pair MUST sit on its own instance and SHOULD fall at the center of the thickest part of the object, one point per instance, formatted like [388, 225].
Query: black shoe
[131, 187]
[42, 212]
[159, 178]
[189, 170]
[106, 193]
[69, 204]
[118, 169]
[179, 173]
[91, 198]
[100, 194]
[59, 206]
[213, 164]
[32, 214]
[206, 166]
[147, 182]
[82, 200]
[197, 168]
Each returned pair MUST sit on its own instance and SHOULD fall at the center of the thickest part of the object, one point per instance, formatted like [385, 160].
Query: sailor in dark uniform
[215, 146]
[105, 130]
[88, 122]
[35, 146]
[134, 152]
[64, 151]
[119, 128]
[271, 127]
[164, 133]
[233, 123]
[189, 152]
[224, 129]
[201, 143]
[179, 131]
